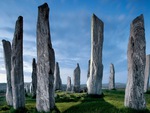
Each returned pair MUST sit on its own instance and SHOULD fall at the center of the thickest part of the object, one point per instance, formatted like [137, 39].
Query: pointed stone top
[139, 18]
[77, 64]
[5, 41]
[34, 60]
[20, 18]
[94, 17]
[57, 63]
[44, 6]
[111, 64]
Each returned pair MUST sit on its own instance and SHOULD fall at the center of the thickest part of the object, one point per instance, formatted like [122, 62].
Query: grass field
[112, 102]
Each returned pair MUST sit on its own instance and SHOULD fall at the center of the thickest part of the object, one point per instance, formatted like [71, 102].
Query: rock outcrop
[34, 78]
[112, 77]
[76, 75]
[7, 58]
[94, 83]
[57, 79]
[17, 77]
[68, 84]
[45, 62]
[134, 93]
[147, 73]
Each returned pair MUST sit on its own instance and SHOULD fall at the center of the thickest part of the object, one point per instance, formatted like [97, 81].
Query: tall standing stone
[34, 78]
[17, 66]
[68, 84]
[94, 83]
[45, 62]
[57, 79]
[76, 75]
[147, 73]
[7, 57]
[112, 77]
[88, 73]
[134, 93]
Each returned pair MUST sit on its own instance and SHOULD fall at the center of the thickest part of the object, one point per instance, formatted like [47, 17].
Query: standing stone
[68, 84]
[57, 79]
[34, 78]
[147, 73]
[134, 93]
[7, 57]
[17, 66]
[94, 83]
[88, 73]
[76, 86]
[112, 77]
[45, 62]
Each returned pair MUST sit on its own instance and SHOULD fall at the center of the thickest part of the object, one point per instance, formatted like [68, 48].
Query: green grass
[112, 102]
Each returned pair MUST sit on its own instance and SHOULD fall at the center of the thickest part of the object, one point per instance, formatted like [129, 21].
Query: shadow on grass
[91, 104]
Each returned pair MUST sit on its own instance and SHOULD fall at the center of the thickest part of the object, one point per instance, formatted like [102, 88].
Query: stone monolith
[34, 78]
[94, 83]
[112, 77]
[147, 73]
[76, 76]
[45, 62]
[134, 93]
[68, 84]
[57, 79]
[7, 58]
[17, 77]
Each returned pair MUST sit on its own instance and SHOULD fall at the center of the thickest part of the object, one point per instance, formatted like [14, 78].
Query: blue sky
[70, 22]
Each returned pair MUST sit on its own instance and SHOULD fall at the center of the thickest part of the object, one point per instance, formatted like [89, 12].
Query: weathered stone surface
[27, 88]
[68, 84]
[45, 62]
[34, 78]
[134, 97]
[17, 79]
[7, 58]
[147, 73]
[57, 79]
[94, 83]
[88, 73]
[76, 75]
[112, 77]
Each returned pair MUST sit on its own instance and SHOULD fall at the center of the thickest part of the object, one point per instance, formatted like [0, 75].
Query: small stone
[112, 77]
[68, 84]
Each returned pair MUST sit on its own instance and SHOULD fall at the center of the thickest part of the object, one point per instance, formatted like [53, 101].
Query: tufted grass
[111, 102]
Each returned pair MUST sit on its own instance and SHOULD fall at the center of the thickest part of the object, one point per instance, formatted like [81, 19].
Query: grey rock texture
[94, 83]
[76, 75]
[88, 73]
[68, 84]
[17, 77]
[27, 88]
[134, 97]
[112, 77]
[34, 78]
[45, 62]
[147, 73]
[7, 58]
[57, 79]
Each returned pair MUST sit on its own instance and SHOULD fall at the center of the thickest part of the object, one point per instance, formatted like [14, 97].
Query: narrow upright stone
[76, 75]
[7, 58]
[17, 66]
[68, 84]
[112, 77]
[57, 79]
[94, 83]
[45, 62]
[134, 93]
[34, 78]
[147, 73]
[88, 73]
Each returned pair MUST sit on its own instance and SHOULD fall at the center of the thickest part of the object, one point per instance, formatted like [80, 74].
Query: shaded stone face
[134, 97]
[34, 78]
[68, 84]
[57, 79]
[76, 86]
[7, 58]
[45, 62]
[147, 73]
[17, 66]
[112, 77]
[88, 73]
[94, 83]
